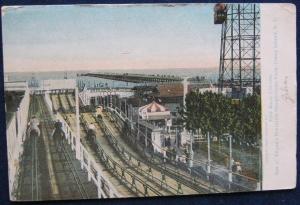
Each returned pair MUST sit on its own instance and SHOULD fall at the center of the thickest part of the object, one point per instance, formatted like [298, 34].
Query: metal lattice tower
[240, 47]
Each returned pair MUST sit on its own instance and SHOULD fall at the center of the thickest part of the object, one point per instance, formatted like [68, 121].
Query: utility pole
[77, 125]
[230, 160]
[138, 131]
[191, 164]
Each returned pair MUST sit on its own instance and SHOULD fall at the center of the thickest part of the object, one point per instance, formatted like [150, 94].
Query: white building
[155, 119]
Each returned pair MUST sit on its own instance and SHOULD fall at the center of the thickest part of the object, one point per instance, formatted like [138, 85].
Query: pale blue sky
[110, 37]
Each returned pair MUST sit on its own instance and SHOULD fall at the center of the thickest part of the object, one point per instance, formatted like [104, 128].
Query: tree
[217, 114]
[250, 117]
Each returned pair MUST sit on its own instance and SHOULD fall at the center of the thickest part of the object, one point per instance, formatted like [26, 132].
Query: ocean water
[89, 82]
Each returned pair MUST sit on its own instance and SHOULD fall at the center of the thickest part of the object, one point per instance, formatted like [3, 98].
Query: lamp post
[259, 183]
[191, 164]
[230, 158]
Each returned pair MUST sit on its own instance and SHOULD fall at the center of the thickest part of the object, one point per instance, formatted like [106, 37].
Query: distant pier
[135, 78]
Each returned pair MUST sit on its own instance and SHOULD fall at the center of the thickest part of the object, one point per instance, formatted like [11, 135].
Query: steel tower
[240, 46]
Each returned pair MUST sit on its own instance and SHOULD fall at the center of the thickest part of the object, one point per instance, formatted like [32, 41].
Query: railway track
[83, 192]
[48, 124]
[35, 170]
[32, 168]
[71, 100]
[55, 102]
[64, 102]
[92, 150]
[35, 192]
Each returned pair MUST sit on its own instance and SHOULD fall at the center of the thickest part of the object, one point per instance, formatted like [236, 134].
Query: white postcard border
[279, 96]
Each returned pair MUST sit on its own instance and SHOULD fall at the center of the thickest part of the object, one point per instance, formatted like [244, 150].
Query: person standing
[58, 135]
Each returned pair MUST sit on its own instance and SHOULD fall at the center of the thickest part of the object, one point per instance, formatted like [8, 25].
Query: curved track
[146, 175]
[136, 182]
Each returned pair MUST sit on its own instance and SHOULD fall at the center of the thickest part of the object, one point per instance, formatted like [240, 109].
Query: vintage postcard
[143, 100]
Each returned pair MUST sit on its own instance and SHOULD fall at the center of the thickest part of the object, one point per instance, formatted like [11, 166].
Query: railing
[121, 114]
[87, 161]
[12, 143]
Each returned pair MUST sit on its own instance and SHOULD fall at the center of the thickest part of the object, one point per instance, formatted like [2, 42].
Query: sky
[104, 37]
